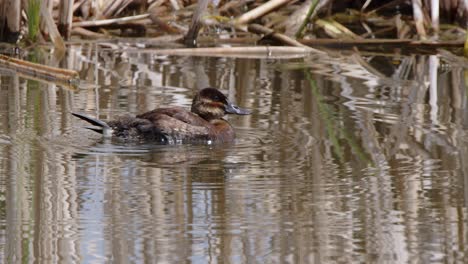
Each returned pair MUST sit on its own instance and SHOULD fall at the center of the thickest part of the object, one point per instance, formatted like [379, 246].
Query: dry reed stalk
[232, 40]
[419, 18]
[259, 29]
[87, 33]
[354, 42]
[110, 7]
[174, 4]
[377, 32]
[49, 5]
[230, 5]
[233, 52]
[37, 70]
[64, 83]
[163, 26]
[365, 5]
[155, 4]
[114, 8]
[305, 21]
[192, 34]
[106, 22]
[52, 28]
[335, 29]
[435, 15]
[10, 20]
[65, 18]
[78, 4]
[260, 11]
[402, 43]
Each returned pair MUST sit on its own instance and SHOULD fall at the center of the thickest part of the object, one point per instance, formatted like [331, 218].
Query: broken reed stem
[259, 29]
[65, 18]
[191, 37]
[52, 28]
[106, 22]
[312, 7]
[37, 70]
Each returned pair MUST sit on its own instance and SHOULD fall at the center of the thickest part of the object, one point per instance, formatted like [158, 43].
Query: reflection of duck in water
[175, 124]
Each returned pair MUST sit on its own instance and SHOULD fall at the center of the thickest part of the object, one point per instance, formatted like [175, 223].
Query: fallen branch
[38, 71]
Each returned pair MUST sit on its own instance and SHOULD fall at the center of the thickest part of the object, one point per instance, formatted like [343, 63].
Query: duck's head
[210, 104]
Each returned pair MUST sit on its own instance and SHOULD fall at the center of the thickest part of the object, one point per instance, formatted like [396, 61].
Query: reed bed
[275, 22]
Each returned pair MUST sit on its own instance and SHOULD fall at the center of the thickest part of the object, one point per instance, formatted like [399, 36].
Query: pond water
[345, 158]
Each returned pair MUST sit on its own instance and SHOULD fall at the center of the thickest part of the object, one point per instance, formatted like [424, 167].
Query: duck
[203, 123]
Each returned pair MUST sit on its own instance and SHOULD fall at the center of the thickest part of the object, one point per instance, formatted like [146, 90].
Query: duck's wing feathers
[177, 113]
[176, 124]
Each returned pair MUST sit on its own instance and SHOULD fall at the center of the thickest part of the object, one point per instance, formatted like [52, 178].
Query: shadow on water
[345, 159]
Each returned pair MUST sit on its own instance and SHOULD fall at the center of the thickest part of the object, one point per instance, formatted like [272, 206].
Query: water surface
[345, 159]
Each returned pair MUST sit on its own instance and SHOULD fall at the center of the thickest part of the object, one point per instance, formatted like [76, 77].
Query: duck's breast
[222, 131]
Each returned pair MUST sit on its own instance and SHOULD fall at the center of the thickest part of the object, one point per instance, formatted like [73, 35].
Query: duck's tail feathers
[96, 129]
[102, 127]
[92, 121]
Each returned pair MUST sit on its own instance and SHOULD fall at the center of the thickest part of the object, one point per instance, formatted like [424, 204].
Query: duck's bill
[234, 109]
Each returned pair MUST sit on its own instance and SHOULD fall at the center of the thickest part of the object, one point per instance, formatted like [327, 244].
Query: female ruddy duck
[175, 124]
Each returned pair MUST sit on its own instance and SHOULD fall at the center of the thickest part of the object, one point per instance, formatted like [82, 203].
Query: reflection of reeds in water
[411, 106]
[275, 195]
[412, 137]
[334, 130]
[30, 178]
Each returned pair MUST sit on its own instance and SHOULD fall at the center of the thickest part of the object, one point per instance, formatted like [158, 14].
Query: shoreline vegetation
[422, 26]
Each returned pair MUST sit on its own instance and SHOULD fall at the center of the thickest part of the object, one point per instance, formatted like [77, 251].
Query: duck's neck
[206, 111]
[209, 116]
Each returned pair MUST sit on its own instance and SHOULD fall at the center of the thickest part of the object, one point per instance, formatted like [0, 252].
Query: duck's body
[175, 124]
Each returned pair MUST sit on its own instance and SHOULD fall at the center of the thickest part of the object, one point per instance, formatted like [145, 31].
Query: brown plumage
[175, 124]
